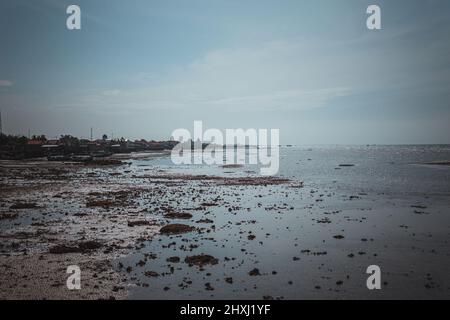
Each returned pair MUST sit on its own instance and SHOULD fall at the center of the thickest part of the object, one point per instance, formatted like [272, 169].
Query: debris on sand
[24, 205]
[139, 223]
[208, 204]
[324, 220]
[314, 253]
[205, 221]
[229, 280]
[201, 260]
[208, 286]
[56, 228]
[99, 203]
[43, 277]
[61, 249]
[173, 259]
[254, 272]
[259, 181]
[220, 181]
[8, 216]
[176, 228]
[339, 237]
[82, 247]
[178, 215]
[346, 165]
[152, 274]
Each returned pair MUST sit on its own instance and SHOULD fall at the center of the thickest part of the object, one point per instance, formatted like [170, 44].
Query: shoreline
[226, 232]
[50, 210]
[46, 205]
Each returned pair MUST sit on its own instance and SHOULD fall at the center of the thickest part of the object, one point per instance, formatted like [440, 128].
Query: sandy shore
[43, 276]
[49, 211]
[55, 214]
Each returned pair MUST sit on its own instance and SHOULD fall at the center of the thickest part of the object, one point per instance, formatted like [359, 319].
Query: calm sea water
[391, 209]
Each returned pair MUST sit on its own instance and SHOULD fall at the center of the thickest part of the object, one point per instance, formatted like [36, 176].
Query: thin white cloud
[272, 76]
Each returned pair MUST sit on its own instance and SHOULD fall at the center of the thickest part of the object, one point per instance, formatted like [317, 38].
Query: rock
[209, 204]
[173, 259]
[61, 249]
[80, 214]
[176, 229]
[8, 216]
[201, 260]
[205, 221]
[178, 215]
[141, 263]
[89, 245]
[254, 272]
[139, 223]
[82, 247]
[229, 280]
[151, 274]
[24, 205]
[208, 286]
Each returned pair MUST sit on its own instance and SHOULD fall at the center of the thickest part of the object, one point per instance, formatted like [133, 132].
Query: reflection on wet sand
[145, 229]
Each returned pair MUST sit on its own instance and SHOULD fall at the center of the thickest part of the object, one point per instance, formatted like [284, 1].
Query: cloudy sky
[310, 68]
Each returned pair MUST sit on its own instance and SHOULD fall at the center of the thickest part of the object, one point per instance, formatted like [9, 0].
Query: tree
[69, 141]
[42, 138]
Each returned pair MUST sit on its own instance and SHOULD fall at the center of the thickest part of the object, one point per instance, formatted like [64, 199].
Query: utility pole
[1, 129]
[91, 132]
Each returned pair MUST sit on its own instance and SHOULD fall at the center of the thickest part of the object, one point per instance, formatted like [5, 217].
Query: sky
[310, 68]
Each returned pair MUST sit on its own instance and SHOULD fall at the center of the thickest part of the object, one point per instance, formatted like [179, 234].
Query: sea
[348, 208]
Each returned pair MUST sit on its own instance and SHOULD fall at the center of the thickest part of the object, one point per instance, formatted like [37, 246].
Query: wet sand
[49, 211]
[145, 231]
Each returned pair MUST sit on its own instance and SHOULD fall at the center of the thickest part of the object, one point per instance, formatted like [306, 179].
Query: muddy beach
[145, 229]
[56, 214]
